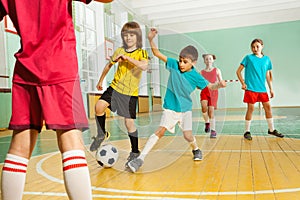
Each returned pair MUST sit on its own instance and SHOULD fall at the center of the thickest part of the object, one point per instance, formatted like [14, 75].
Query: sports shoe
[197, 154]
[135, 164]
[276, 133]
[132, 156]
[207, 127]
[98, 140]
[213, 134]
[247, 135]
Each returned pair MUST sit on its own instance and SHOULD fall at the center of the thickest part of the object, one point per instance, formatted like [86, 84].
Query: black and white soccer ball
[107, 155]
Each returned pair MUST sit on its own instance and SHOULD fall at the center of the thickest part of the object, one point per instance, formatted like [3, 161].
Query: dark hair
[132, 27]
[259, 41]
[204, 55]
[189, 52]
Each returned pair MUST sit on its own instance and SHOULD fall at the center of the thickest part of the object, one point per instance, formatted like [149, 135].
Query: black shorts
[124, 105]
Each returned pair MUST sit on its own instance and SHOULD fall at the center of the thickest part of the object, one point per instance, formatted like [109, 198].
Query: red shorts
[211, 96]
[60, 106]
[253, 97]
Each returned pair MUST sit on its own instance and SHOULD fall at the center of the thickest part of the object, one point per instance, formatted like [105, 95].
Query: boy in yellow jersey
[122, 95]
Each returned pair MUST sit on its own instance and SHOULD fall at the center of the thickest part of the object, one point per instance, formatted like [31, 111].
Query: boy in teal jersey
[183, 80]
[257, 72]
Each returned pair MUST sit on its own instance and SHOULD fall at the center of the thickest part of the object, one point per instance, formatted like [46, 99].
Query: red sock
[13, 177]
[76, 175]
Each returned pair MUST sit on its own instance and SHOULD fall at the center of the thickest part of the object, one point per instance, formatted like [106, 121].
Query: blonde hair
[132, 27]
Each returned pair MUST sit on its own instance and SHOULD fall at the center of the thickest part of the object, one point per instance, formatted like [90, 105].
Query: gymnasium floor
[264, 168]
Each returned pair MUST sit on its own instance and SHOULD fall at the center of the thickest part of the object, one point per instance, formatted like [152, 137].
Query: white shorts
[170, 118]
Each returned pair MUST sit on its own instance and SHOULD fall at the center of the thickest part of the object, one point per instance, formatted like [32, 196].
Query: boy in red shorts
[45, 88]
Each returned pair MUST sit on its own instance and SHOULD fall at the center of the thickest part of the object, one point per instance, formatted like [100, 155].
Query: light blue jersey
[255, 72]
[180, 86]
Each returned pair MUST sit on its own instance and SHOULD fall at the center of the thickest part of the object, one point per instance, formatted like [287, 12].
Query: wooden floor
[265, 168]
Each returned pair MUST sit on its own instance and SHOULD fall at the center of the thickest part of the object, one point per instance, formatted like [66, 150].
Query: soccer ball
[107, 155]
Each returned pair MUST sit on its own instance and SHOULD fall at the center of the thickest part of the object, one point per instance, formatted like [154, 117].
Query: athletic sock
[247, 125]
[148, 146]
[134, 140]
[194, 144]
[13, 177]
[213, 124]
[76, 175]
[270, 124]
[100, 121]
[205, 117]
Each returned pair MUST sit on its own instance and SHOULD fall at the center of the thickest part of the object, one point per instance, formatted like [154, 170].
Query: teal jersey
[180, 86]
[256, 71]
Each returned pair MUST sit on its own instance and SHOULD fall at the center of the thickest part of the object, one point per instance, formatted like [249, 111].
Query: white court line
[53, 179]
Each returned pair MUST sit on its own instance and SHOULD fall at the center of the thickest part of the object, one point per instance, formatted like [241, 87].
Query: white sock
[247, 125]
[76, 175]
[270, 124]
[13, 177]
[213, 124]
[149, 145]
[194, 144]
[205, 117]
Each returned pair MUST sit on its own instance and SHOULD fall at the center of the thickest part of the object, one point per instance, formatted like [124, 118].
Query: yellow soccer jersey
[127, 77]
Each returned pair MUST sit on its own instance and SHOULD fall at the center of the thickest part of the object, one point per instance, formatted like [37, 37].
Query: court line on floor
[53, 179]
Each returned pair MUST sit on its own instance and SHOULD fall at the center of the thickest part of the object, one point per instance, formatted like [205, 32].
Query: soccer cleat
[135, 164]
[131, 156]
[213, 134]
[275, 133]
[207, 127]
[98, 140]
[247, 135]
[197, 154]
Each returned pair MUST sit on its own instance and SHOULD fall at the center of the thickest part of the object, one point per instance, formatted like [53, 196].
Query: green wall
[281, 44]
[13, 44]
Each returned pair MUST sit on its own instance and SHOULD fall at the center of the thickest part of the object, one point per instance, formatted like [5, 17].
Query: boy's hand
[152, 33]
[222, 84]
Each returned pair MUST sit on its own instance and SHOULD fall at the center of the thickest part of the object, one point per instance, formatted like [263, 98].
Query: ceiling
[201, 15]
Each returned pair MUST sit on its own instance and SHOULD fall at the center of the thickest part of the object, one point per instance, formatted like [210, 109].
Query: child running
[209, 98]
[183, 80]
[122, 95]
[257, 72]
[46, 88]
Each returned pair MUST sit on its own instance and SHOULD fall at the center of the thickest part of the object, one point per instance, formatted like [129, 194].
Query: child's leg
[132, 134]
[15, 165]
[211, 114]
[268, 114]
[100, 118]
[136, 163]
[100, 107]
[75, 169]
[188, 136]
[248, 116]
[152, 141]
[204, 108]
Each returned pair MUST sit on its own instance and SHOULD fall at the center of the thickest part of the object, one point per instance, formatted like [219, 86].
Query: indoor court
[232, 168]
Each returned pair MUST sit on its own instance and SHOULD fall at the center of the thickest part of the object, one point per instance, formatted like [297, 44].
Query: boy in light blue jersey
[183, 80]
[257, 72]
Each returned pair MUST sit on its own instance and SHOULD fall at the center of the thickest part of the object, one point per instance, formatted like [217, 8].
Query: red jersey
[210, 95]
[210, 76]
[48, 44]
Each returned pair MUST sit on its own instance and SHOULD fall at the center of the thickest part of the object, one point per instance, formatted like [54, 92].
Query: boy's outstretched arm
[152, 33]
